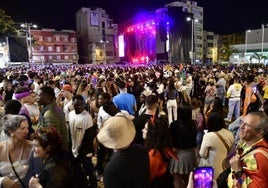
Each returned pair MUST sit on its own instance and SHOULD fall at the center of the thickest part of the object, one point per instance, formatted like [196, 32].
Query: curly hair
[48, 136]
[158, 135]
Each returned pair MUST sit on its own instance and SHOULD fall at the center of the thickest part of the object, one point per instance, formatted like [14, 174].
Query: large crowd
[146, 125]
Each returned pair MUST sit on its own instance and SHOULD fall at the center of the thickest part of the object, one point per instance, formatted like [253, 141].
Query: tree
[226, 51]
[258, 56]
[7, 25]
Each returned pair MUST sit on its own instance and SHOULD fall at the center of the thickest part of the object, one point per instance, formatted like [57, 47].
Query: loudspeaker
[18, 49]
[163, 31]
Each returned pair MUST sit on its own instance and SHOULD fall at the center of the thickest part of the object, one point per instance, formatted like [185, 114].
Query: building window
[73, 40]
[94, 19]
[109, 53]
[58, 57]
[50, 57]
[57, 38]
[209, 37]
[65, 48]
[74, 49]
[58, 49]
[49, 39]
[66, 57]
[210, 44]
[199, 37]
[74, 57]
[41, 48]
[50, 48]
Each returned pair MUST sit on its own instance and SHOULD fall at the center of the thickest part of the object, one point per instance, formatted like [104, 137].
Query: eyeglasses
[247, 124]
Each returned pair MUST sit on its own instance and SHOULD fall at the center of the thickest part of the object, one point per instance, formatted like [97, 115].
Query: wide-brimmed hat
[117, 132]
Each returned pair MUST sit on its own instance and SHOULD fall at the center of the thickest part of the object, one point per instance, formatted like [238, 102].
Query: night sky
[220, 16]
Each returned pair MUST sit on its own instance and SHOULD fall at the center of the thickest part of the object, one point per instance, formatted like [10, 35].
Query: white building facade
[256, 42]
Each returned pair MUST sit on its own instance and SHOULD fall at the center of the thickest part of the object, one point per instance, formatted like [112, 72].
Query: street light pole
[262, 38]
[192, 52]
[246, 40]
[192, 45]
[28, 27]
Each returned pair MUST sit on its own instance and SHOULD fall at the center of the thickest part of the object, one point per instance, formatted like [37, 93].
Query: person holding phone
[191, 183]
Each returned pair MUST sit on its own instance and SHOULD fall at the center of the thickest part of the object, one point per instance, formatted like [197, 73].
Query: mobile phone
[254, 89]
[203, 177]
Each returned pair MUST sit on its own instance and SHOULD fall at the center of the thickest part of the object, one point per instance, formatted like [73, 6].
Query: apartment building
[251, 42]
[97, 36]
[210, 47]
[49, 46]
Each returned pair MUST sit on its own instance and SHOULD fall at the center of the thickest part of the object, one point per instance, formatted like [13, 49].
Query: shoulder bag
[222, 178]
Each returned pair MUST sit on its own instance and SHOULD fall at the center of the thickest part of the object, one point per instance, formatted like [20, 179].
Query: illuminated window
[57, 38]
[58, 49]
[49, 39]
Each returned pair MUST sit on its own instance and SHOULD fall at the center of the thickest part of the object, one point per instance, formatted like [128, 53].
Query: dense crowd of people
[146, 125]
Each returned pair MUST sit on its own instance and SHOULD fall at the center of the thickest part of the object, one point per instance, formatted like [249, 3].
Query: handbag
[225, 162]
[222, 178]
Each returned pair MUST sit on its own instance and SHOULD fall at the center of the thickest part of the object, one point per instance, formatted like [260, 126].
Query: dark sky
[220, 16]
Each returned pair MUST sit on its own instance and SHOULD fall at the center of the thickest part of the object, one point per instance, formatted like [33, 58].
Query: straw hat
[117, 132]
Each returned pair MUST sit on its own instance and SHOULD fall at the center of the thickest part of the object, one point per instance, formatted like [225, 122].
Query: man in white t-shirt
[80, 121]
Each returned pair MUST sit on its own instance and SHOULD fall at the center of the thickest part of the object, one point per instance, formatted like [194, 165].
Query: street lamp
[28, 27]
[262, 37]
[192, 52]
[246, 40]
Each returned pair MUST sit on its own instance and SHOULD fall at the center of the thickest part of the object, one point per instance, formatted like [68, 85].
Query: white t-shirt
[78, 123]
[66, 108]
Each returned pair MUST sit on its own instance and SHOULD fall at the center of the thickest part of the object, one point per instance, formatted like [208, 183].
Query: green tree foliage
[7, 25]
[225, 52]
[258, 56]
